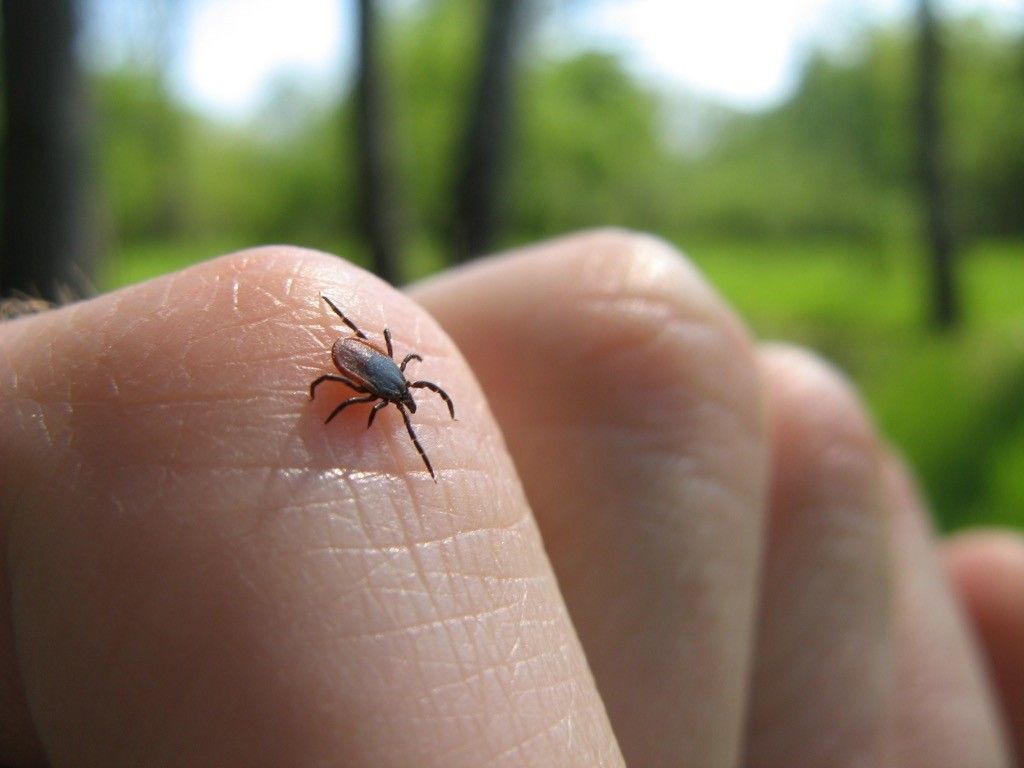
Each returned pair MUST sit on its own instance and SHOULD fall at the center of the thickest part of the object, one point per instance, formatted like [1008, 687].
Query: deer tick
[371, 371]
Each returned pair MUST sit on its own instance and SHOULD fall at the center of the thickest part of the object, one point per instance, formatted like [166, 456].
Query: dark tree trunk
[478, 186]
[380, 216]
[939, 236]
[45, 240]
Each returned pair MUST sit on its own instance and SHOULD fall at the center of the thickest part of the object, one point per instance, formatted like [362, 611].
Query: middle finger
[629, 397]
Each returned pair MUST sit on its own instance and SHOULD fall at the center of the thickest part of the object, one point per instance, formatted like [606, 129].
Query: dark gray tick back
[370, 370]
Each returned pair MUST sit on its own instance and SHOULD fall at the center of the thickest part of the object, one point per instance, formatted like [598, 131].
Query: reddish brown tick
[368, 369]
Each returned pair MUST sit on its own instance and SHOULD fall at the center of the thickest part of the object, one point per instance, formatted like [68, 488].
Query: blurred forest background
[875, 213]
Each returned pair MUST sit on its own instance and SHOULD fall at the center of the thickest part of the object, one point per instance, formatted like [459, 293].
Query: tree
[380, 215]
[45, 243]
[478, 185]
[938, 233]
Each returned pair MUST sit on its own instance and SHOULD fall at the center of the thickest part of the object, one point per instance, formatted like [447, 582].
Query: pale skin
[652, 540]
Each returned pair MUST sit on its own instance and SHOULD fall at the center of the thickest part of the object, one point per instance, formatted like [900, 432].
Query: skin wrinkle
[652, 317]
[420, 572]
[403, 630]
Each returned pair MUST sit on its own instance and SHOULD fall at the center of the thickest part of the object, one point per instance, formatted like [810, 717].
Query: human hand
[200, 572]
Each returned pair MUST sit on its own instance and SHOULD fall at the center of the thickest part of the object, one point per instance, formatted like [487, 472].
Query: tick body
[371, 371]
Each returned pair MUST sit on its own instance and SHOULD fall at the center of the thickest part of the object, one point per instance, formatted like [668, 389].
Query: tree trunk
[939, 237]
[45, 239]
[380, 216]
[479, 184]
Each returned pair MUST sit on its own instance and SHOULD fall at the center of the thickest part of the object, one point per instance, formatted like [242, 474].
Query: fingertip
[987, 569]
[987, 557]
[815, 399]
[825, 448]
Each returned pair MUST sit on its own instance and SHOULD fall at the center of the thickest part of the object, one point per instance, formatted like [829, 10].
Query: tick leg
[347, 403]
[415, 441]
[387, 339]
[333, 377]
[344, 319]
[409, 358]
[434, 388]
[373, 412]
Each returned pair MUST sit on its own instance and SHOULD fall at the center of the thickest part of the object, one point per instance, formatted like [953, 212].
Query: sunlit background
[820, 160]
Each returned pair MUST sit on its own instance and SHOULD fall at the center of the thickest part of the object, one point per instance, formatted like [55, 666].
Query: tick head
[408, 402]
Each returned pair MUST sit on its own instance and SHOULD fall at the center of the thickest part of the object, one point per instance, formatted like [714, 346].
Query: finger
[202, 572]
[628, 394]
[944, 713]
[987, 571]
[821, 692]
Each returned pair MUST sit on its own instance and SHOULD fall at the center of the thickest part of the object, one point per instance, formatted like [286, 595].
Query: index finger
[197, 566]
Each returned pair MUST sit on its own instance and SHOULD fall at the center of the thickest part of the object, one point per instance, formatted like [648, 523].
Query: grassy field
[952, 403]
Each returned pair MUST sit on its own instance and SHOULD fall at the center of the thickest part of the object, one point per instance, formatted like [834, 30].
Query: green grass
[953, 403]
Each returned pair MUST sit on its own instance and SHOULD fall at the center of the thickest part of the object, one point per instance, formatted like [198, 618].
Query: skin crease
[197, 571]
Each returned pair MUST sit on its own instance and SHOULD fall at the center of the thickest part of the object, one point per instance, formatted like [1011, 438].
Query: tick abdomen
[369, 366]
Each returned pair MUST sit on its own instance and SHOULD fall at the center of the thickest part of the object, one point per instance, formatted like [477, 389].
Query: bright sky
[233, 49]
[745, 52]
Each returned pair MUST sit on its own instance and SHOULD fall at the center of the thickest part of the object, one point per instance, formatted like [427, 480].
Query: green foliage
[296, 189]
[590, 150]
[429, 64]
[840, 156]
[166, 173]
[142, 137]
[985, 93]
[590, 146]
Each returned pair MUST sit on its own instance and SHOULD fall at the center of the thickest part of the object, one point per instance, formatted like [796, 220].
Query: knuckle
[662, 326]
[651, 280]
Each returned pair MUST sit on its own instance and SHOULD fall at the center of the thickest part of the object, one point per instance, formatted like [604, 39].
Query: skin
[825, 614]
[987, 569]
[197, 571]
